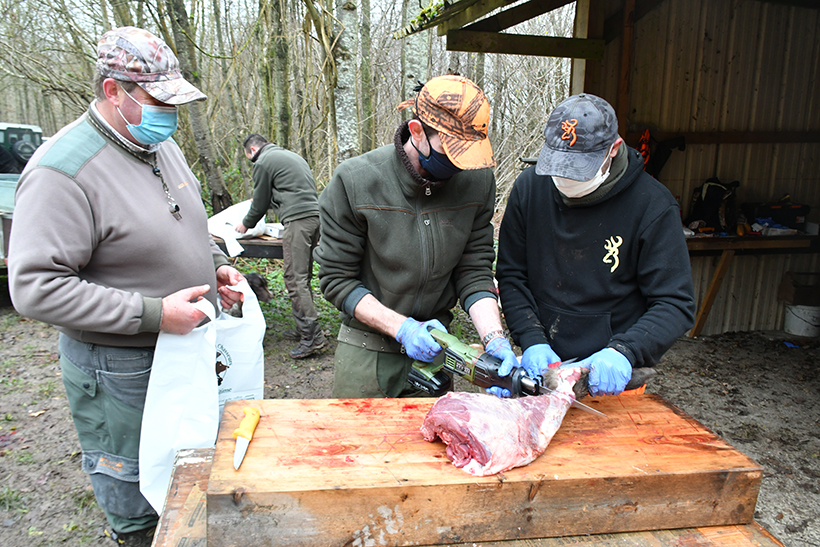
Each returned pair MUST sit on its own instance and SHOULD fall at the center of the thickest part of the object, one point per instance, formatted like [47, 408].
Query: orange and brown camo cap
[456, 108]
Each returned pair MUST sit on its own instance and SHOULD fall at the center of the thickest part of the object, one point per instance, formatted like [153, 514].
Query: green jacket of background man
[282, 181]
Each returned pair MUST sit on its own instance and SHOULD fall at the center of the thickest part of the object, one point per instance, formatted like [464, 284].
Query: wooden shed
[738, 79]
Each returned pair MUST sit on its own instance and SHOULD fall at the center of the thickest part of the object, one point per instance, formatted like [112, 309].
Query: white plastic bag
[192, 376]
[240, 357]
[222, 225]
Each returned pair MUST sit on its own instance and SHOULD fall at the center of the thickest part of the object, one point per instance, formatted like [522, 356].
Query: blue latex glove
[500, 348]
[538, 358]
[417, 341]
[609, 371]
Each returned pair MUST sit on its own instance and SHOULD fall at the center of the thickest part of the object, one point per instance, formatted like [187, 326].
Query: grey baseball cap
[578, 136]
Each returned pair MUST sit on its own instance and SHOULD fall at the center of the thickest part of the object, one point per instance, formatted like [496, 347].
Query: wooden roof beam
[524, 44]
[470, 14]
[516, 15]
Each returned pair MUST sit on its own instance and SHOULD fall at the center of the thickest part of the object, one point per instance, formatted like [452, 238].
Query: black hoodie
[611, 272]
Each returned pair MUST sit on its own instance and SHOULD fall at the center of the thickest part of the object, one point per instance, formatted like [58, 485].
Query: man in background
[406, 234]
[110, 244]
[282, 181]
[592, 261]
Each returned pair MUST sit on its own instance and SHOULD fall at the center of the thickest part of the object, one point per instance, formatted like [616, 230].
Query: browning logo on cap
[568, 127]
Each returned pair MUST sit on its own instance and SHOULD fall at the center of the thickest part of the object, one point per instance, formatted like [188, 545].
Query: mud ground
[759, 394]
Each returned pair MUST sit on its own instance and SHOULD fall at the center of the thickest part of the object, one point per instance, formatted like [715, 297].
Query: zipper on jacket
[425, 259]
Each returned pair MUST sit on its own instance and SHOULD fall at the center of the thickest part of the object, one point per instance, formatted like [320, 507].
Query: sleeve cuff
[352, 299]
[531, 338]
[624, 350]
[475, 297]
[151, 314]
[220, 260]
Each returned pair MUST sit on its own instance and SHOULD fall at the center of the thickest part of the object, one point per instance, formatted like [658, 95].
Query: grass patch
[47, 389]
[8, 321]
[25, 457]
[278, 311]
[12, 501]
[86, 499]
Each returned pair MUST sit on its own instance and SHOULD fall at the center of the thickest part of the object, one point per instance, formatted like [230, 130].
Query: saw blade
[575, 403]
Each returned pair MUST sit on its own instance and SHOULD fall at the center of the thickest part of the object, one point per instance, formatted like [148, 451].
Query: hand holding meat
[500, 348]
[537, 359]
[179, 316]
[609, 372]
[417, 341]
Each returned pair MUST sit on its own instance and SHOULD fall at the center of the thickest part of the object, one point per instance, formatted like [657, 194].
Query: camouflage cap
[456, 108]
[136, 55]
[578, 136]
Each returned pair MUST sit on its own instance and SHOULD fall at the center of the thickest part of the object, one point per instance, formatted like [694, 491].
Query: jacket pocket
[574, 334]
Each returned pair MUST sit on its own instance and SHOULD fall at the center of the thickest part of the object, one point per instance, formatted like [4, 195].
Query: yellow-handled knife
[244, 433]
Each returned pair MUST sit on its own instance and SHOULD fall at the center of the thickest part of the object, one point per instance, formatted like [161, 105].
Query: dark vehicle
[18, 141]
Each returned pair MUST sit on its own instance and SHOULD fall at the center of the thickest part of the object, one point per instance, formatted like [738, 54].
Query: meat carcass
[486, 435]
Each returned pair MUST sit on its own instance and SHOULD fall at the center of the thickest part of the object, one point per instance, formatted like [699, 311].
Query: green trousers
[299, 238]
[362, 372]
[106, 389]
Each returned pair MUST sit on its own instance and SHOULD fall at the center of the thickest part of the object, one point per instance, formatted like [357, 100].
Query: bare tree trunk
[414, 52]
[122, 13]
[281, 74]
[220, 198]
[479, 70]
[322, 22]
[347, 133]
[366, 80]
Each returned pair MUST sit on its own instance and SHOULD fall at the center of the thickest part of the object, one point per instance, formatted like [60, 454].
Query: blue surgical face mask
[437, 165]
[157, 123]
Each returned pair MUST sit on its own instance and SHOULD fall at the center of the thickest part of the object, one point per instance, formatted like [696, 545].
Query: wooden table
[728, 247]
[665, 445]
[329, 471]
[256, 247]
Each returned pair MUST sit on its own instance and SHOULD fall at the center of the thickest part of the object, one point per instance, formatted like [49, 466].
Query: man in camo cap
[592, 262]
[406, 233]
[124, 253]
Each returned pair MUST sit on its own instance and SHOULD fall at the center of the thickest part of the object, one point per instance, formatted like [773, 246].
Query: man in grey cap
[110, 245]
[592, 262]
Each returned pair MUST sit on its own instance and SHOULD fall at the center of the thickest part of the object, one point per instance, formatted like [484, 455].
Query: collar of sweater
[259, 152]
[113, 135]
[401, 137]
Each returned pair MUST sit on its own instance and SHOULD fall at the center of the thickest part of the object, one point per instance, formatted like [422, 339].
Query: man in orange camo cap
[406, 233]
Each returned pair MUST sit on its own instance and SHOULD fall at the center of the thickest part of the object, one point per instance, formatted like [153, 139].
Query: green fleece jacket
[416, 253]
[283, 182]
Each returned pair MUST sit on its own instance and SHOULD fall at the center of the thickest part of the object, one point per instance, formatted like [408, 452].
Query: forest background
[319, 77]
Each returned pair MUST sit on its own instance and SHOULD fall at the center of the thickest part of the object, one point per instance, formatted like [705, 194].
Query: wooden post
[627, 47]
[711, 293]
[581, 30]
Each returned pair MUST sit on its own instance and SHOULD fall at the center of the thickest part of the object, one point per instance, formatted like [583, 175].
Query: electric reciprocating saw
[475, 366]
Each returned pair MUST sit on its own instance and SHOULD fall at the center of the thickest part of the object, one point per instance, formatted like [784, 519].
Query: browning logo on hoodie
[612, 244]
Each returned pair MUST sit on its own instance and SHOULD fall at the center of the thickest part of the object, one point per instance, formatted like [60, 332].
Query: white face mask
[580, 188]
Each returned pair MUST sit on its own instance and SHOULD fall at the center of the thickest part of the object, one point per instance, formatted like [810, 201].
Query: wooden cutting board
[358, 472]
